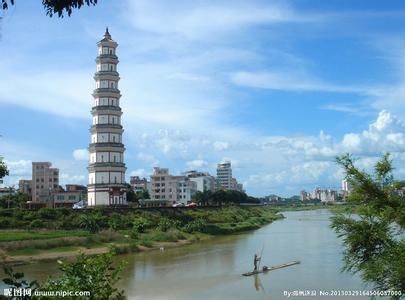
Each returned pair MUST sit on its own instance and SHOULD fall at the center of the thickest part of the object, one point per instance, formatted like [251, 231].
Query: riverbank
[131, 232]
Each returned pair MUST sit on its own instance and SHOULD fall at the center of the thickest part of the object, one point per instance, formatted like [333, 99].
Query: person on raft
[255, 261]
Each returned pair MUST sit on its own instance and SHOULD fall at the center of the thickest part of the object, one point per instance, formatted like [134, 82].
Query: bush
[47, 213]
[147, 243]
[134, 234]
[36, 223]
[196, 225]
[5, 223]
[140, 224]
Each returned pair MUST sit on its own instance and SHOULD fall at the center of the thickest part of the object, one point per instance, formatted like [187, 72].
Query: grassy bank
[65, 231]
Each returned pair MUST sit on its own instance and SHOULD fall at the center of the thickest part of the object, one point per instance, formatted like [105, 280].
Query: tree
[95, 274]
[3, 168]
[131, 196]
[14, 200]
[145, 194]
[59, 7]
[374, 239]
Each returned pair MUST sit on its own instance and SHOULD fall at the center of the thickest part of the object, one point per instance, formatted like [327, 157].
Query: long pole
[261, 253]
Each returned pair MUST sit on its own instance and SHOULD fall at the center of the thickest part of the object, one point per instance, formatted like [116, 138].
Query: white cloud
[66, 178]
[139, 172]
[387, 133]
[220, 146]
[19, 168]
[196, 20]
[81, 154]
[196, 163]
[291, 80]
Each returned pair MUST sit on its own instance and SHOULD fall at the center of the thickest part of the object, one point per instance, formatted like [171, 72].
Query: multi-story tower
[106, 167]
[224, 175]
[45, 181]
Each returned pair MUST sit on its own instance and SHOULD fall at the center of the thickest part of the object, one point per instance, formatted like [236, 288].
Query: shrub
[4, 223]
[196, 225]
[36, 223]
[47, 213]
[140, 224]
[134, 234]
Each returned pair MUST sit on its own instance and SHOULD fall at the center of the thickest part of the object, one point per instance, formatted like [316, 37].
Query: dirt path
[49, 256]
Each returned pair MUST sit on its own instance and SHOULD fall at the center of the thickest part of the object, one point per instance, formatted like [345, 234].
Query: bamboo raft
[267, 269]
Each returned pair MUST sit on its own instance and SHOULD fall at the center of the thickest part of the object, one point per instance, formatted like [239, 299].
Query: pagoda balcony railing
[103, 126]
[105, 107]
[106, 90]
[107, 164]
[106, 72]
[107, 144]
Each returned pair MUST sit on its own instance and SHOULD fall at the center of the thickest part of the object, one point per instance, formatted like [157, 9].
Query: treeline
[223, 197]
[103, 218]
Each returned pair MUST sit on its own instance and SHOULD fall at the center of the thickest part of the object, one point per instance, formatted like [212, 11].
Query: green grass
[21, 235]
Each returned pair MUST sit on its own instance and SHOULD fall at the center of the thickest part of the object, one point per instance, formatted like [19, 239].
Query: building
[106, 168]
[204, 181]
[168, 189]
[45, 182]
[6, 191]
[305, 196]
[186, 188]
[324, 195]
[346, 188]
[25, 186]
[73, 194]
[164, 186]
[139, 185]
[224, 176]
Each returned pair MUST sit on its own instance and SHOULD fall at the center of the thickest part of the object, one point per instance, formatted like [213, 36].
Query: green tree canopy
[374, 238]
[3, 168]
[55, 7]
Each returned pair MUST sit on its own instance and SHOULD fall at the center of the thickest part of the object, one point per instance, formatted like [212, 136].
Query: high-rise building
[346, 188]
[224, 176]
[106, 168]
[45, 181]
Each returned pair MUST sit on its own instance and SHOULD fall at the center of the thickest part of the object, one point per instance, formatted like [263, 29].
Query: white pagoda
[106, 167]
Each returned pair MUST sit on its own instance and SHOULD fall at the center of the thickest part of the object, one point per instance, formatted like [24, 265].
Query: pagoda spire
[107, 34]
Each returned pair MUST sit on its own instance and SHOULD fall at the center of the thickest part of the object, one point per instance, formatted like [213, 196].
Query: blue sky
[278, 87]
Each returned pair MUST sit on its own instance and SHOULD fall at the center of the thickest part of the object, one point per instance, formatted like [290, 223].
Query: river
[212, 270]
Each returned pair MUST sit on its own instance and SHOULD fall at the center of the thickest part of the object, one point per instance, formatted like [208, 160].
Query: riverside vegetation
[30, 233]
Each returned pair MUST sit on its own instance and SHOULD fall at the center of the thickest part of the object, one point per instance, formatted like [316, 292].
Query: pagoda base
[106, 196]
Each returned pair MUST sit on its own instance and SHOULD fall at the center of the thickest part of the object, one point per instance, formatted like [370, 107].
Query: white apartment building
[45, 181]
[325, 195]
[204, 181]
[224, 176]
[164, 185]
[171, 189]
[186, 190]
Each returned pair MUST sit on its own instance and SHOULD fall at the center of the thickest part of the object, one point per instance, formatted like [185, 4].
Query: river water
[212, 270]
